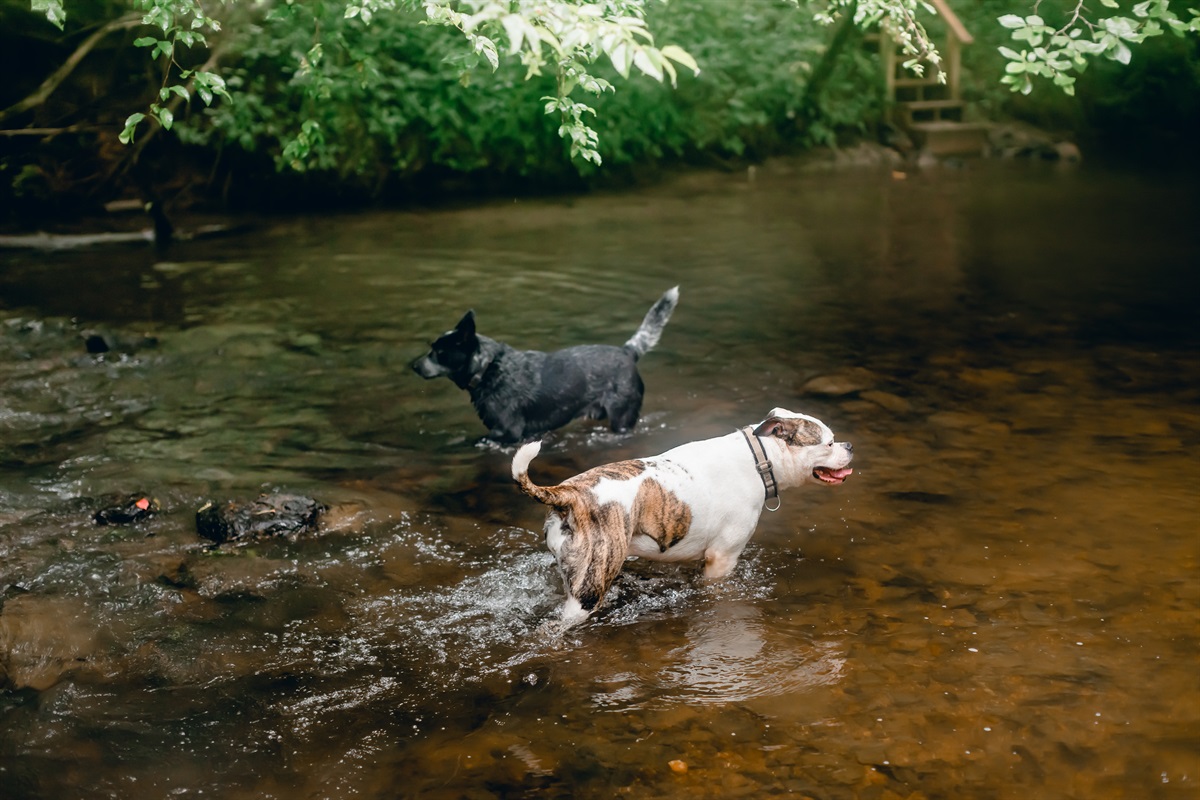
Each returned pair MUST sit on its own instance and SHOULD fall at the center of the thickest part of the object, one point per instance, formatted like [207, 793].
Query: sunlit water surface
[1000, 603]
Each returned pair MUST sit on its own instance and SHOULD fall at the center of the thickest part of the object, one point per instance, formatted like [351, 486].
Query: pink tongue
[834, 474]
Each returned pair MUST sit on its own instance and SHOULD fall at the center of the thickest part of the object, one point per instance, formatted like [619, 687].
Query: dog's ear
[769, 427]
[466, 325]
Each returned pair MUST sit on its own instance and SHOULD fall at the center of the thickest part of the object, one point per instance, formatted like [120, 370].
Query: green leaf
[1121, 26]
[166, 118]
[514, 26]
[621, 58]
[1012, 21]
[1010, 54]
[145, 41]
[1090, 48]
[53, 9]
[131, 123]
[681, 57]
[648, 60]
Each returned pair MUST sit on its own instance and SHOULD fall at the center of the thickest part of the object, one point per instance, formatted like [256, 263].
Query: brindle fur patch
[618, 471]
[597, 538]
[591, 557]
[660, 514]
[795, 432]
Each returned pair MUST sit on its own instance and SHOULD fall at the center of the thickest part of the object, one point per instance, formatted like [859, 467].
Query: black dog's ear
[466, 325]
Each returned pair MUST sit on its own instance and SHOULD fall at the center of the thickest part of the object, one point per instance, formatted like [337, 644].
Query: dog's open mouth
[834, 476]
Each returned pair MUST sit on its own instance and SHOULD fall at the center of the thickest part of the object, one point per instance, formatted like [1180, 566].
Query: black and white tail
[652, 326]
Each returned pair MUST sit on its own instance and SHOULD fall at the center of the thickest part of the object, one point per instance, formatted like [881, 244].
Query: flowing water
[1001, 602]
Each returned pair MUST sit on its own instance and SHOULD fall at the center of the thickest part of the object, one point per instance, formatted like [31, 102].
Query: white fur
[524, 455]
[717, 480]
[645, 339]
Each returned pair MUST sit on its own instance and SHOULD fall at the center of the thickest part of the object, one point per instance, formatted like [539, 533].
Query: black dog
[522, 394]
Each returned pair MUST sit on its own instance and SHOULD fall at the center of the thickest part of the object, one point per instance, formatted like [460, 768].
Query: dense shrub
[377, 102]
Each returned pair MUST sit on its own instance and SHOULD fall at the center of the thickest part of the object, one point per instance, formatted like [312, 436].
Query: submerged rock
[839, 384]
[268, 516]
[44, 638]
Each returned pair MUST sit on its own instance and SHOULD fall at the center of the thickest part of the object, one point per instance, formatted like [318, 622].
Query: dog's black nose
[849, 447]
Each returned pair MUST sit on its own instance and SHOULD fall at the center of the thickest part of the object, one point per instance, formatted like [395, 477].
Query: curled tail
[652, 326]
[549, 495]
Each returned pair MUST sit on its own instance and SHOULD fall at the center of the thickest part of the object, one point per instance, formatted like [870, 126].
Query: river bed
[1001, 602]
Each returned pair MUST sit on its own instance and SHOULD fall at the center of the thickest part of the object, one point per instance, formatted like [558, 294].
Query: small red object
[143, 504]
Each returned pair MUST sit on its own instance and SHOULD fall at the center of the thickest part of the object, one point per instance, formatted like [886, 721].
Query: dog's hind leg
[590, 559]
[585, 584]
[718, 563]
[573, 612]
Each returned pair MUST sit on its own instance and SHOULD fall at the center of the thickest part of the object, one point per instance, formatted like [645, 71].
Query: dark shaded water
[1000, 603]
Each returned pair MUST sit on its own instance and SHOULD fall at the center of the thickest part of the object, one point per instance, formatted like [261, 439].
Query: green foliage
[53, 9]
[366, 89]
[574, 37]
[1054, 48]
[366, 100]
[899, 19]
[397, 96]
[181, 23]
[757, 57]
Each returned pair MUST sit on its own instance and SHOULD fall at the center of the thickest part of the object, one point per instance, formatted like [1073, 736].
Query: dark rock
[265, 517]
[1017, 140]
[97, 342]
[124, 511]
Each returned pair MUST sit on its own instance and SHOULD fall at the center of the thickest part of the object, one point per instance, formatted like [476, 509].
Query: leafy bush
[371, 102]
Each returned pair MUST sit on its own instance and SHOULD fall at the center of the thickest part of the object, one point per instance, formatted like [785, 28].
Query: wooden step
[946, 138]
[916, 105]
[908, 112]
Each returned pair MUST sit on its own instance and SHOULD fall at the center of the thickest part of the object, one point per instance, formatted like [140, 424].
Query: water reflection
[727, 655]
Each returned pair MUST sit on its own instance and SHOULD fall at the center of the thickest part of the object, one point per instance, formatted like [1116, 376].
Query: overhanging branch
[56, 78]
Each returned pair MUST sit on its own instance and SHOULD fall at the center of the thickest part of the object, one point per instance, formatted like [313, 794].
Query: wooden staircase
[931, 113]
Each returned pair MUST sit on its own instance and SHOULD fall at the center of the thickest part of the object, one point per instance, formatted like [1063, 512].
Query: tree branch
[135, 150]
[59, 75]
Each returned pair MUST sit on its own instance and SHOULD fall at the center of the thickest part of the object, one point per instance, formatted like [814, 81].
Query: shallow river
[1001, 602]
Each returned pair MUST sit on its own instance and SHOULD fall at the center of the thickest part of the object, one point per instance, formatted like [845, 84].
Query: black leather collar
[763, 465]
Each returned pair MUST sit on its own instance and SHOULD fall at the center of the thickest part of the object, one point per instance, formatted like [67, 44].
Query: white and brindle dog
[700, 500]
